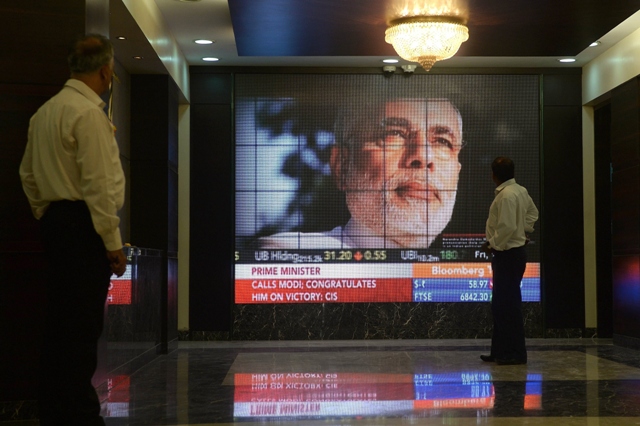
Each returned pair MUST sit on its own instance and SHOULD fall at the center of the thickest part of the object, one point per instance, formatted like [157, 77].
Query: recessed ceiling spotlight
[121, 38]
[138, 57]
[390, 61]
[204, 41]
[595, 43]
[566, 60]
[210, 59]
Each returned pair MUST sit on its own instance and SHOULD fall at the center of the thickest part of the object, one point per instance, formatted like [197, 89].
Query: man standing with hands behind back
[511, 218]
[73, 178]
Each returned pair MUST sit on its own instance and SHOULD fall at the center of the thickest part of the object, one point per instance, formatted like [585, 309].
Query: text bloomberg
[460, 270]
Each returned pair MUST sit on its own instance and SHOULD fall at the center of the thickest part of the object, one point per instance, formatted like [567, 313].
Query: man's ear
[104, 72]
[337, 162]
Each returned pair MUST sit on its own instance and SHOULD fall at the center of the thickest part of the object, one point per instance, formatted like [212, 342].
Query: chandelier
[426, 39]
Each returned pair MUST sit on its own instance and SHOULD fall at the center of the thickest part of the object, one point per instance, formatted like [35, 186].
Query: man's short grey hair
[89, 53]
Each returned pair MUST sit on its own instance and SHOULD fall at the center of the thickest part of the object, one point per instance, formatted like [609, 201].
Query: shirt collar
[504, 184]
[85, 91]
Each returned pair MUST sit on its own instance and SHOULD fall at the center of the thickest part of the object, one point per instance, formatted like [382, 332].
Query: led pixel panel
[373, 188]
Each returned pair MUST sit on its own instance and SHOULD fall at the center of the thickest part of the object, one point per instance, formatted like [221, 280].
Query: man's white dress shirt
[72, 154]
[511, 216]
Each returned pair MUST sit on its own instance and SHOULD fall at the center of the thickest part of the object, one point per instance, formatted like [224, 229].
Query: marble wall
[366, 321]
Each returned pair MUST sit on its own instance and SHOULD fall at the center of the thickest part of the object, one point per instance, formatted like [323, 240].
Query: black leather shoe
[510, 361]
[488, 358]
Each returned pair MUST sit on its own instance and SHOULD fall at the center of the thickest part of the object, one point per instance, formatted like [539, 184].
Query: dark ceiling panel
[356, 27]
[309, 27]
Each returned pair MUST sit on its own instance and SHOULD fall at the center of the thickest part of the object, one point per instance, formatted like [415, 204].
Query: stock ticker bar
[382, 281]
[361, 256]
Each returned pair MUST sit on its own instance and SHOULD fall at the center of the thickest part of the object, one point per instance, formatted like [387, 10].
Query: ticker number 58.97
[478, 283]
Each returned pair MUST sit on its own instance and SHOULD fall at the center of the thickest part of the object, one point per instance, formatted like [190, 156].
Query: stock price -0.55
[372, 255]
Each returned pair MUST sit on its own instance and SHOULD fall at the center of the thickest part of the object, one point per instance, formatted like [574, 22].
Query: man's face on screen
[403, 177]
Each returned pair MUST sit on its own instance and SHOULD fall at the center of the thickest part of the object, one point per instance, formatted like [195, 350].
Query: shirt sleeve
[505, 224]
[531, 216]
[96, 157]
[27, 176]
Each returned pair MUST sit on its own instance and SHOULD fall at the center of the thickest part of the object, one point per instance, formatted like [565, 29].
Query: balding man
[73, 178]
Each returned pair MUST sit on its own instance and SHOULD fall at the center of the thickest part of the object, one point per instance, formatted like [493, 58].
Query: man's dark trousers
[507, 342]
[78, 282]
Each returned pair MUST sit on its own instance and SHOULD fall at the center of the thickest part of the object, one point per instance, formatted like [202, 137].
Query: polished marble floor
[400, 382]
[566, 382]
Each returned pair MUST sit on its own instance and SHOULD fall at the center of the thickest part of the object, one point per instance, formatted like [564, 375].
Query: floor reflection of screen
[533, 393]
[359, 394]
[455, 390]
[118, 397]
[362, 188]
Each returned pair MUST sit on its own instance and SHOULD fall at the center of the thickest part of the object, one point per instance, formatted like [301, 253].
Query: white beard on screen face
[409, 222]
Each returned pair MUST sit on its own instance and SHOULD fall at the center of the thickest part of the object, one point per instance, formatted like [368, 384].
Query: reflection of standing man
[511, 217]
[73, 178]
[397, 162]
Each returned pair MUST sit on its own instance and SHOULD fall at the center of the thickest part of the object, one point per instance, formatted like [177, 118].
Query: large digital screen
[376, 188]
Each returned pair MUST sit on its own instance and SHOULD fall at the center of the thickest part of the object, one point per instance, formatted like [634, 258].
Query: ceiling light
[137, 57]
[566, 60]
[121, 38]
[427, 39]
[594, 44]
[203, 41]
[210, 59]
[390, 61]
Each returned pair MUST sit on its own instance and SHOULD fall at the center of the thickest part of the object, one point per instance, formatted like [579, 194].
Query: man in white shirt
[397, 162]
[73, 178]
[511, 218]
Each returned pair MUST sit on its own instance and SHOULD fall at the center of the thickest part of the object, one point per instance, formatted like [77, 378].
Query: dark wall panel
[562, 213]
[562, 208]
[33, 70]
[45, 28]
[625, 208]
[154, 134]
[154, 181]
[625, 160]
[626, 299]
[211, 238]
[209, 88]
[562, 89]
[625, 204]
